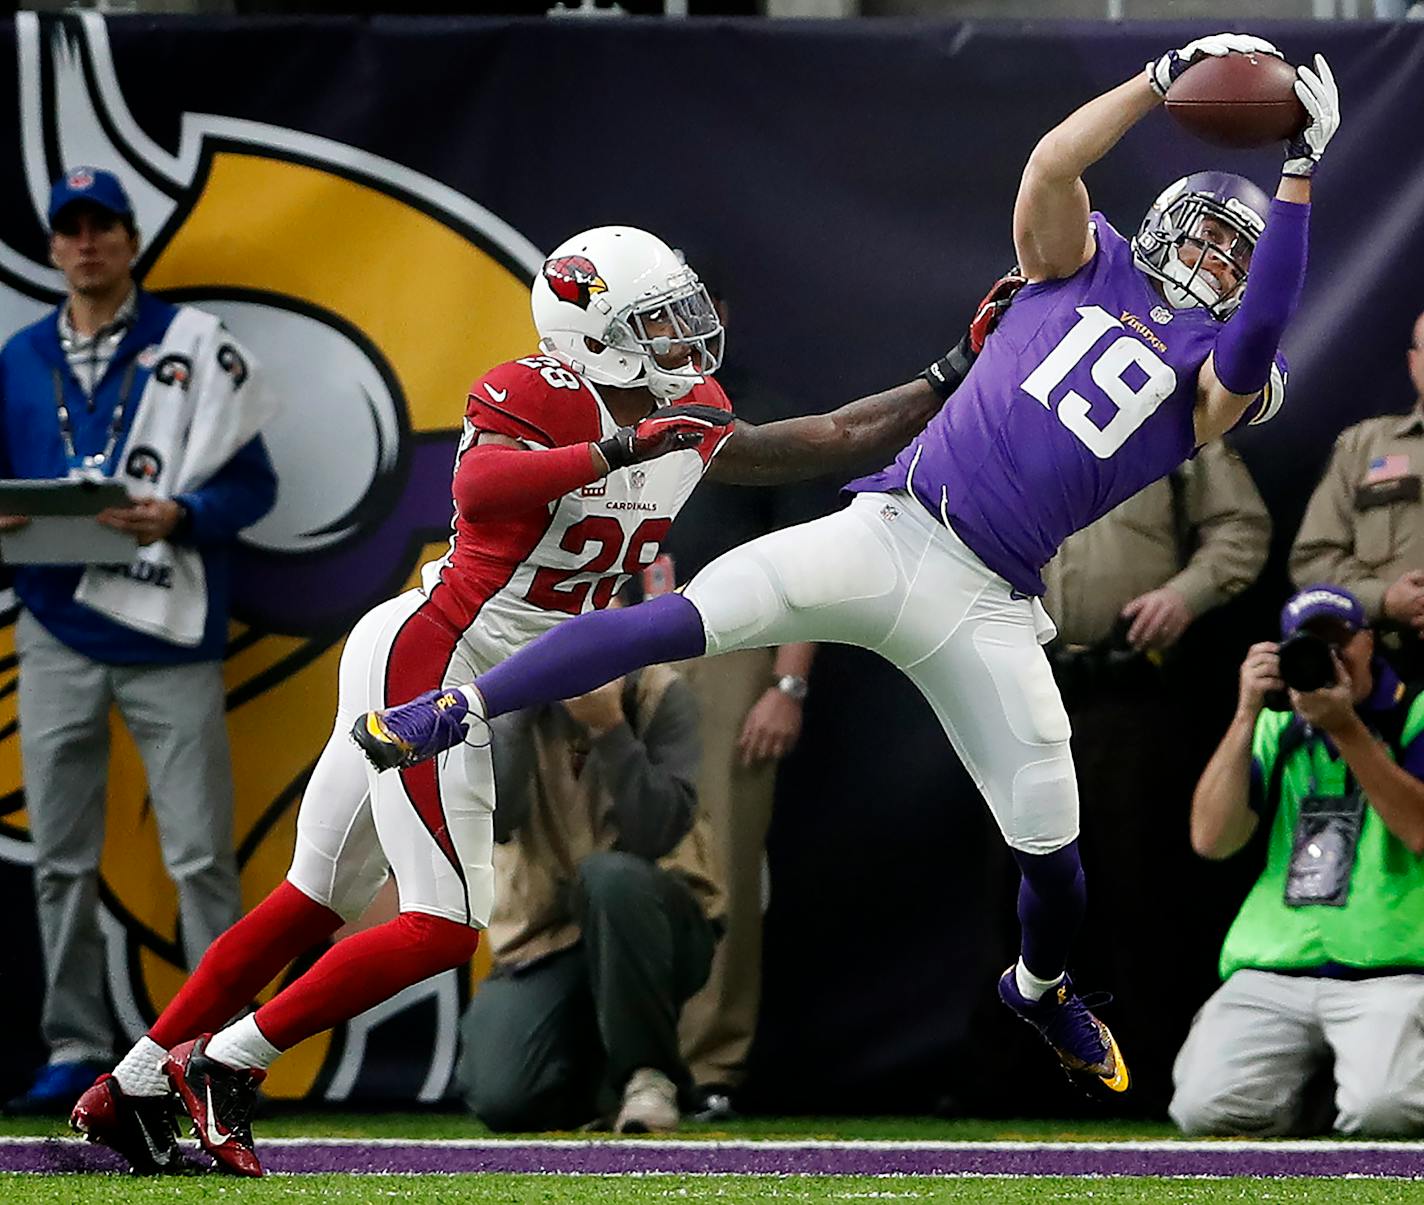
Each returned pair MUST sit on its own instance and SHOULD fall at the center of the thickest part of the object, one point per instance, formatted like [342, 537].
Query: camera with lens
[1307, 663]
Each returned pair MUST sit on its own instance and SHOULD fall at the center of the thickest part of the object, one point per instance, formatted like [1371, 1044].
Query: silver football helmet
[1178, 217]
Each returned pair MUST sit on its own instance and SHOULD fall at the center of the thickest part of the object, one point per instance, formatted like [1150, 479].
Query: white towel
[204, 400]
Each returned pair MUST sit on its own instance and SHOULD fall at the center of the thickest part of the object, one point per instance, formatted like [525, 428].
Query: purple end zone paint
[761, 1158]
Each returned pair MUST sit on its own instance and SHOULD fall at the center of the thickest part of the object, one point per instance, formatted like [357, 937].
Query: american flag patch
[1387, 468]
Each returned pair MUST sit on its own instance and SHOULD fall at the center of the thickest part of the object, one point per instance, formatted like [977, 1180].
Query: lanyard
[98, 461]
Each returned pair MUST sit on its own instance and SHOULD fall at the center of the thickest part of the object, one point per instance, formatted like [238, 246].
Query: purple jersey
[1083, 395]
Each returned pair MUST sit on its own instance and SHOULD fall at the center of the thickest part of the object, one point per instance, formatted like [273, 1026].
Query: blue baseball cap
[1322, 601]
[92, 185]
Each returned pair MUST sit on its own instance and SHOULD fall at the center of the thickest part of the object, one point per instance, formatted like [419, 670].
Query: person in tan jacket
[609, 907]
[1137, 578]
[1125, 593]
[1364, 527]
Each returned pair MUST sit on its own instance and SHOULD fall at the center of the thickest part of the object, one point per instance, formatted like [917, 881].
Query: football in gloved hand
[1238, 100]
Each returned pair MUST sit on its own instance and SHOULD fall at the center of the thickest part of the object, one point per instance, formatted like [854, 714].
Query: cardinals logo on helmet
[574, 279]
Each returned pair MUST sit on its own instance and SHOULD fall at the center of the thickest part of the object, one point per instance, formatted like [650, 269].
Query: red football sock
[243, 961]
[360, 971]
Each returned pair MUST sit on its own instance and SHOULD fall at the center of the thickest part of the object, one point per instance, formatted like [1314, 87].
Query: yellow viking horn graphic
[370, 296]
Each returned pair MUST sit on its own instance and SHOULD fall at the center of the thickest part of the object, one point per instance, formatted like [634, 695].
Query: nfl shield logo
[1160, 313]
[638, 478]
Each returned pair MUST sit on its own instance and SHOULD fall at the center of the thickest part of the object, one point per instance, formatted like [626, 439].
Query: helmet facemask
[681, 324]
[1223, 228]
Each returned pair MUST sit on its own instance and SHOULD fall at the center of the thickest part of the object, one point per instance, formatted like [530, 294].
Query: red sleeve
[495, 482]
[710, 393]
[535, 399]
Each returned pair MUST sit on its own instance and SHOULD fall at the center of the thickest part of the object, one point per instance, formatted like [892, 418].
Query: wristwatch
[793, 686]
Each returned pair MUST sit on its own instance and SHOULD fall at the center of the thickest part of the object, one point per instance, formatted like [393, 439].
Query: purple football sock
[1052, 898]
[592, 649]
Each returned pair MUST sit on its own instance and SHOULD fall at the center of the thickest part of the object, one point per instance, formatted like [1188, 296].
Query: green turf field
[724, 1190]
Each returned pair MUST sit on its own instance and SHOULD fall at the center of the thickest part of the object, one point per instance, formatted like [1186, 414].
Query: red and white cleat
[220, 1100]
[143, 1129]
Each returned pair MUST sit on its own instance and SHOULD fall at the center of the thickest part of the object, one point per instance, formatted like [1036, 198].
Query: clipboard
[60, 496]
[61, 530]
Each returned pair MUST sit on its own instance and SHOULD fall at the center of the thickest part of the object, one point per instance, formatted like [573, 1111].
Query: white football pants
[432, 825]
[885, 575]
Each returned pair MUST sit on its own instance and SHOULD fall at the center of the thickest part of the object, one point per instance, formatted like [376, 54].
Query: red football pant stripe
[361, 971]
[243, 961]
[419, 657]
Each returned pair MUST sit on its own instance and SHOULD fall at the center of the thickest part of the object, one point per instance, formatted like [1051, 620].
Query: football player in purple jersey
[1117, 359]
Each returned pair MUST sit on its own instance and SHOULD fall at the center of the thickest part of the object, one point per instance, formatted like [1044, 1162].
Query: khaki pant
[178, 719]
[718, 1023]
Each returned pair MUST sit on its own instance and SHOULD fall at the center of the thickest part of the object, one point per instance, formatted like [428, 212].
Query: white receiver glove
[1162, 72]
[1321, 98]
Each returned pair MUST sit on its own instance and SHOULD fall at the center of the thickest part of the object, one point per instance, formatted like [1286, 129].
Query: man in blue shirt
[73, 387]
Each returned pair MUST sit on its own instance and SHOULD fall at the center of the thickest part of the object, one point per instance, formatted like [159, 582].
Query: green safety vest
[1381, 923]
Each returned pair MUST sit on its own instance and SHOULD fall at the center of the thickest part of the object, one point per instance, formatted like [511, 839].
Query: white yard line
[1006, 1145]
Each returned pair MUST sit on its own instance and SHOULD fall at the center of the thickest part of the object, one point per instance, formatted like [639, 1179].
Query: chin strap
[1184, 298]
[666, 387]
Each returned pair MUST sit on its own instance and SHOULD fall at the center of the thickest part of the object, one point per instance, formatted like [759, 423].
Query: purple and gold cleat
[404, 736]
[1083, 1044]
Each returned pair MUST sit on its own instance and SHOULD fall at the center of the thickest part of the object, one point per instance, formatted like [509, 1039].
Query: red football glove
[992, 308]
[667, 429]
[944, 375]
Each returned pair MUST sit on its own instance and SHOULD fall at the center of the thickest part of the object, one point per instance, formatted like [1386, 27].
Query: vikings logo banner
[372, 295]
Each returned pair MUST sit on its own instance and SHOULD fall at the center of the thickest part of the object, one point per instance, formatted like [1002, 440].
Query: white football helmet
[625, 290]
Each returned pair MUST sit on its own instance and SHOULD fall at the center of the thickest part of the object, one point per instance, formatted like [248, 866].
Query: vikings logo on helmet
[574, 279]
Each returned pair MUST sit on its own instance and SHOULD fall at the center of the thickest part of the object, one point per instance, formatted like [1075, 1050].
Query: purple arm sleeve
[1247, 345]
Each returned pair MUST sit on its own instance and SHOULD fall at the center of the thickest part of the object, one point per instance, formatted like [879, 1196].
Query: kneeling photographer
[1325, 960]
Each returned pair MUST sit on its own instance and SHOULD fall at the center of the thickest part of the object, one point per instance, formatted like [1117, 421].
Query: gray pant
[177, 716]
[551, 1046]
[1260, 1039]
